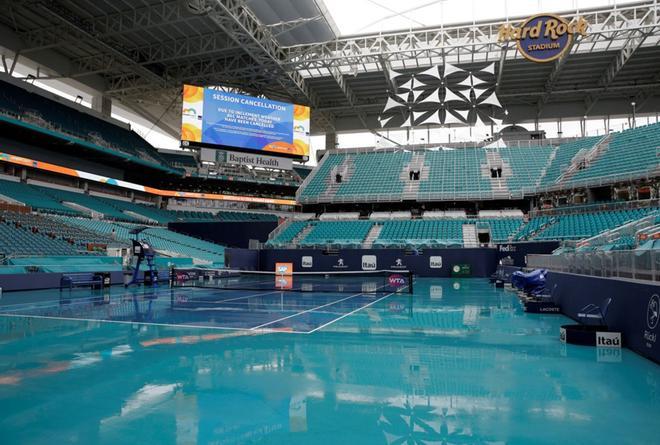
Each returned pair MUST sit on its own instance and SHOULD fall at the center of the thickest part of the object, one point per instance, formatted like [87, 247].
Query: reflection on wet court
[456, 362]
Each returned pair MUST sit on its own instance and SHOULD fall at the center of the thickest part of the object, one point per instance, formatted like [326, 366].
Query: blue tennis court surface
[456, 362]
[275, 310]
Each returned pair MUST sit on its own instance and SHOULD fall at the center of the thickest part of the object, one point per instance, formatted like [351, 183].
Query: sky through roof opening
[373, 16]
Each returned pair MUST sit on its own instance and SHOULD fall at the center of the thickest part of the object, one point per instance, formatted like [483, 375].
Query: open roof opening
[372, 16]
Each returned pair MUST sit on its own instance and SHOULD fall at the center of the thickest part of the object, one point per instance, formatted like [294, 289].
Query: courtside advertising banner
[216, 118]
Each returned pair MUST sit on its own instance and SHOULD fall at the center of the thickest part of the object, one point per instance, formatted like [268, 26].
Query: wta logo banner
[397, 281]
[543, 37]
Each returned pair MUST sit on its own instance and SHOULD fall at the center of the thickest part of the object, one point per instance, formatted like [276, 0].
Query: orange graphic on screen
[284, 268]
[190, 132]
[297, 148]
[284, 282]
[192, 93]
[300, 112]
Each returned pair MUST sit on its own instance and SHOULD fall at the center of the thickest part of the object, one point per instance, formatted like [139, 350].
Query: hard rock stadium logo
[544, 37]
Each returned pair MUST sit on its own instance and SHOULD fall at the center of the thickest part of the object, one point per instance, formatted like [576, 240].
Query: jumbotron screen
[213, 118]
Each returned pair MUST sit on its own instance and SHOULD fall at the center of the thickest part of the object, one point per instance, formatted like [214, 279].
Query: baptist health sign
[543, 37]
[259, 161]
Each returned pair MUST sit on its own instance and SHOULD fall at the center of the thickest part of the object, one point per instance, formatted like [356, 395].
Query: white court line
[113, 301]
[310, 310]
[231, 299]
[148, 323]
[349, 313]
[167, 325]
[79, 299]
[288, 305]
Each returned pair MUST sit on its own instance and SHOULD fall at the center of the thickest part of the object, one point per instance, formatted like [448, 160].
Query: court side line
[167, 325]
[86, 300]
[229, 299]
[78, 299]
[349, 313]
[148, 323]
[307, 310]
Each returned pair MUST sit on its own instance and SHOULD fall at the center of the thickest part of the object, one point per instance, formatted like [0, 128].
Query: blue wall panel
[519, 251]
[482, 261]
[227, 233]
[630, 311]
[243, 259]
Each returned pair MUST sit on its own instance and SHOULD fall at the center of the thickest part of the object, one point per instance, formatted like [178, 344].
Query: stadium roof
[141, 52]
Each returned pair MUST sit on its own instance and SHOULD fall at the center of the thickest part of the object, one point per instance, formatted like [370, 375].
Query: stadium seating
[526, 165]
[448, 231]
[317, 181]
[563, 155]
[184, 245]
[33, 197]
[54, 228]
[375, 174]
[501, 229]
[623, 237]
[53, 115]
[163, 240]
[101, 227]
[455, 173]
[422, 233]
[50, 200]
[91, 202]
[180, 159]
[630, 152]
[531, 227]
[465, 173]
[19, 239]
[446, 174]
[151, 212]
[585, 225]
[344, 233]
[287, 234]
[303, 172]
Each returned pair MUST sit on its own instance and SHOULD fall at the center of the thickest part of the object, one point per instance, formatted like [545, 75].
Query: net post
[171, 277]
[410, 282]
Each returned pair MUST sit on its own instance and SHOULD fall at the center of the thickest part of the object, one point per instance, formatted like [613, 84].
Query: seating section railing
[484, 173]
[55, 116]
[638, 264]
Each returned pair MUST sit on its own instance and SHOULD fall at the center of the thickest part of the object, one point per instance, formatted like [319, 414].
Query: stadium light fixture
[633, 104]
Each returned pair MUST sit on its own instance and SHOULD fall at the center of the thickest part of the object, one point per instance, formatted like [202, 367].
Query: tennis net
[367, 282]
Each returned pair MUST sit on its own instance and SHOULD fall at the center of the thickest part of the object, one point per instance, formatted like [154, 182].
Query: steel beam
[464, 42]
[631, 45]
[557, 67]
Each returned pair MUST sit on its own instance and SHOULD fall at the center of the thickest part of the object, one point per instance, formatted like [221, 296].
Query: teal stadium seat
[34, 197]
[286, 235]
[630, 152]
[71, 122]
[375, 174]
[342, 233]
[585, 225]
[527, 164]
[455, 173]
[421, 233]
[563, 155]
